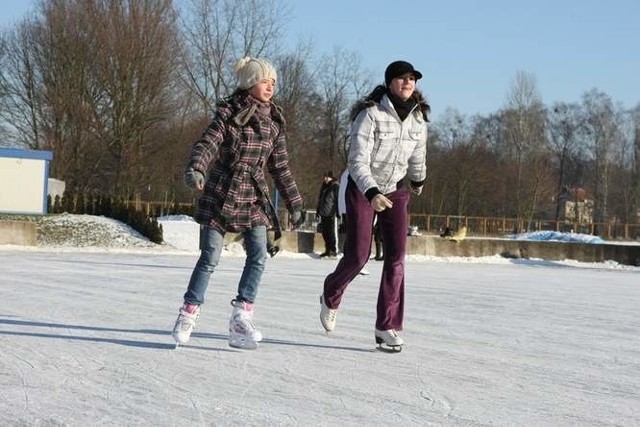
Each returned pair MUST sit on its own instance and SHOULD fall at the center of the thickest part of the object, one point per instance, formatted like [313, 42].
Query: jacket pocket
[416, 135]
[385, 144]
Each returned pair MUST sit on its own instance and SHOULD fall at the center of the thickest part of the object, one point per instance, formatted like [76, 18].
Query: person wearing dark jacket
[327, 212]
[227, 165]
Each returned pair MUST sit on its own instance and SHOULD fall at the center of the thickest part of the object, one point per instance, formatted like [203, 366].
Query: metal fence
[436, 224]
[487, 226]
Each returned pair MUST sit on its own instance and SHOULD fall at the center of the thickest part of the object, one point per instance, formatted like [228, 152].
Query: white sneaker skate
[242, 332]
[327, 316]
[185, 323]
[389, 340]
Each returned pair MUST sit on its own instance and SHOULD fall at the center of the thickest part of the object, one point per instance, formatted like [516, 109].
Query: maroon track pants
[357, 249]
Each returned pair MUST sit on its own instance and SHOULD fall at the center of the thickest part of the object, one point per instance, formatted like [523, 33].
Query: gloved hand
[416, 190]
[296, 219]
[194, 179]
[380, 202]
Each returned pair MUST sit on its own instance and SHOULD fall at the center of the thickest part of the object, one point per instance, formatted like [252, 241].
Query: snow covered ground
[84, 340]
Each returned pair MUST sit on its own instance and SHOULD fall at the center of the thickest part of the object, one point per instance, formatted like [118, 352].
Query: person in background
[227, 164]
[377, 239]
[388, 141]
[327, 212]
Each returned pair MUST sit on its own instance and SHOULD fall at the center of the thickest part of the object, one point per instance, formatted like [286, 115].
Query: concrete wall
[22, 233]
[25, 233]
[477, 247]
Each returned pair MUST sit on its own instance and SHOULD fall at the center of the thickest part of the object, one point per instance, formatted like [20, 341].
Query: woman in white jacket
[388, 142]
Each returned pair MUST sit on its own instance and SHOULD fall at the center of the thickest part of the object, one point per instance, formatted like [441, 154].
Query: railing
[487, 226]
[476, 226]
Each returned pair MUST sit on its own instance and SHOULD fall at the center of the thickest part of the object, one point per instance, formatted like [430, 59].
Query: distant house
[575, 206]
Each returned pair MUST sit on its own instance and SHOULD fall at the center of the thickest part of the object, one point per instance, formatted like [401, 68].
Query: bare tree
[20, 98]
[603, 132]
[455, 132]
[135, 80]
[524, 129]
[635, 177]
[217, 33]
[95, 77]
[623, 185]
[302, 106]
[341, 81]
[564, 122]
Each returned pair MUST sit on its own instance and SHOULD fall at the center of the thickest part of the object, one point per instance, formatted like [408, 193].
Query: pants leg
[211, 243]
[393, 224]
[329, 233]
[357, 246]
[255, 243]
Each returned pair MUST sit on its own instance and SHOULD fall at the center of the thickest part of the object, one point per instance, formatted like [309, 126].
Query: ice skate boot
[327, 316]
[242, 332]
[389, 341]
[185, 323]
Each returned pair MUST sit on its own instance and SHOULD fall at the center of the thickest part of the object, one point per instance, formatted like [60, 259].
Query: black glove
[194, 179]
[296, 219]
[273, 250]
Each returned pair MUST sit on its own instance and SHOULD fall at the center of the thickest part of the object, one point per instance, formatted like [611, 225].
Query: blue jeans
[211, 244]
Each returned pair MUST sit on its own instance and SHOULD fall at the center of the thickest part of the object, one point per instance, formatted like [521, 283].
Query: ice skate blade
[242, 345]
[381, 341]
[389, 348]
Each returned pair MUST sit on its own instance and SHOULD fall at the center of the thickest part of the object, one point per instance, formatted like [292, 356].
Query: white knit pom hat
[251, 70]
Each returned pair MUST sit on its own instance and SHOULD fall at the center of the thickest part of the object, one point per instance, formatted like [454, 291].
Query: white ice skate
[389, 341]
[185, 323]
[242, 332]
[327, 316]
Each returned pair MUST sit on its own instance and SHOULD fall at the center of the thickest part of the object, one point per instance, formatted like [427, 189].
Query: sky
[470, 52]
[85, 340]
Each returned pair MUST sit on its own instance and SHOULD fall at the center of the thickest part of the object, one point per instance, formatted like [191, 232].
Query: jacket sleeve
[206, 148]
[278, 167]
[417, 163]
[360, 150]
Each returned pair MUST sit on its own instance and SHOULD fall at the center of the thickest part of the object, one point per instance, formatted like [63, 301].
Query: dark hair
[376, 95]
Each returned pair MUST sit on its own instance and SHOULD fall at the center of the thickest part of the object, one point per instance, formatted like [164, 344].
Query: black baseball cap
[397, 69]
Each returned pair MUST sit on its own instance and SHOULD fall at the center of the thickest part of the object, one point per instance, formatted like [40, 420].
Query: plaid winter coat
[233, 153]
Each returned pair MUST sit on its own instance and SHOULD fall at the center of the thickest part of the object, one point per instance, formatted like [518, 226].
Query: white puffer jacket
[383, 149]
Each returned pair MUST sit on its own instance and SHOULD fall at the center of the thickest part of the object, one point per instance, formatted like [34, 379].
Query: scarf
[262, 108]
[403, 108]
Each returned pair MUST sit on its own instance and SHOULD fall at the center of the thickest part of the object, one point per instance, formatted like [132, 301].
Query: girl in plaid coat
[246, 136]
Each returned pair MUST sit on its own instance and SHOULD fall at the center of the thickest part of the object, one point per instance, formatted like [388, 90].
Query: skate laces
[329, 313]
[244, 319]
[188, 316]
[243, 316]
